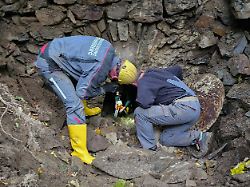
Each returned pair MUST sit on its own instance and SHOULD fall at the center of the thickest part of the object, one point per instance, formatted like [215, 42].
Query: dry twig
[5, 111]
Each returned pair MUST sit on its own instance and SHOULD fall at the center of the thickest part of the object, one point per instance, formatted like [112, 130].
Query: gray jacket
[87, 59]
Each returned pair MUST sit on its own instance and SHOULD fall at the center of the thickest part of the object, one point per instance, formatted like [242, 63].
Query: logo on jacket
[95, 46]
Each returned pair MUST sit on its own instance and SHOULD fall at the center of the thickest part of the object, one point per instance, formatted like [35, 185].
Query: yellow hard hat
[128, 73]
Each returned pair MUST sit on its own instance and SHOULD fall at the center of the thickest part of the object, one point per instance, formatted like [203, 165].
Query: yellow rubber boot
[90, 111]
[78, 139]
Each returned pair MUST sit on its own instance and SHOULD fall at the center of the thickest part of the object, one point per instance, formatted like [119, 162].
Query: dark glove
[110, 87]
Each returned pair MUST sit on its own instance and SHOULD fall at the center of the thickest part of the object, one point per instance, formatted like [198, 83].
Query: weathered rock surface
[241, 9]
[241, 92]
[11, 7]
[128, 163]
[207, 39]
[96, 142]
[147, 11]
[178, 6]
[97, 2]
[239, 64]
[210, 91]
[64, 2]
[50, 16]
[118, 11]
[232, 43]
[32, 6]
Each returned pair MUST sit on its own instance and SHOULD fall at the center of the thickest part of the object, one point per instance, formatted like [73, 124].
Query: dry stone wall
[140, 28]
[158, 32]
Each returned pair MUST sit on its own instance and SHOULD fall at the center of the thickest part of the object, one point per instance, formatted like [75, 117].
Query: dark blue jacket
[154, 89]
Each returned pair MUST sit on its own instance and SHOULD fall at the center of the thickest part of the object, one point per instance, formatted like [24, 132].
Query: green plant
[120, 183]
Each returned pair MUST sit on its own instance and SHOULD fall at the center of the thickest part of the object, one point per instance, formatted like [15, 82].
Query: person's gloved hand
[110, 87]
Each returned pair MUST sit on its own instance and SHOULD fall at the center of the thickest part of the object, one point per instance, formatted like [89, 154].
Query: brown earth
[44, 166]
[49, 163]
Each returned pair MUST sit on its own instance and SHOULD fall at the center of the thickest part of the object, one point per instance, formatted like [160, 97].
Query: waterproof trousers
[64, 89]
[176, 119]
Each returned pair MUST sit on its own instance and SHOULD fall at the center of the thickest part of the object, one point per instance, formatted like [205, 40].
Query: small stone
[113, 30]
[64, 2]
[71, 16]
[123, 30]
[101, 25]
[50, 16]
[207, 40]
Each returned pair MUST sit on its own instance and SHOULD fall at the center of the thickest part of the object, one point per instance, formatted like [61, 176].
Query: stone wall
[149, 31]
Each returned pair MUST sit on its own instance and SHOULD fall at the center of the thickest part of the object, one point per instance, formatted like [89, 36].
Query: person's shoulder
[69, 38]
[176, 67]
[152, 70]
[156, 71]
[150, 73]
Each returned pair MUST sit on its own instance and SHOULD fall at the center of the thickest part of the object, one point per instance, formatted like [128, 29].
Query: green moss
[120, 183]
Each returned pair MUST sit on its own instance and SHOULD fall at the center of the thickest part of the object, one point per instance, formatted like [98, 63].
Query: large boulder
[210, 91]
[127, 163]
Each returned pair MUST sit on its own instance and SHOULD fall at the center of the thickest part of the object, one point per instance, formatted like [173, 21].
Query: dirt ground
[16, 159]
[39, 154]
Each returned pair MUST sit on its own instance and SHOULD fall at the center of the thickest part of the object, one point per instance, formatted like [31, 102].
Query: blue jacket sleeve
[86, 89]
[88, 85]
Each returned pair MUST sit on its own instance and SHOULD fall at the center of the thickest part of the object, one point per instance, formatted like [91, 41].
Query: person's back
[154, 89]
[81, 54]
[88, 48]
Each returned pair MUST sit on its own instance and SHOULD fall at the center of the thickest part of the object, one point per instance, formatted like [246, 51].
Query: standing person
[89, 61]
[165, 100]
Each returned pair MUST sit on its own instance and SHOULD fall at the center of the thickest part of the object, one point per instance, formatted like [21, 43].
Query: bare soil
[39, 155]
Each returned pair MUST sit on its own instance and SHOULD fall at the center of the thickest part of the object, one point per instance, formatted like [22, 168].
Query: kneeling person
[165, 100]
